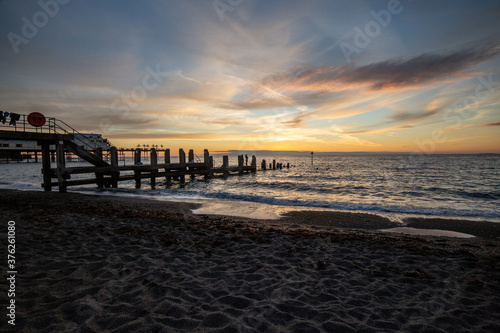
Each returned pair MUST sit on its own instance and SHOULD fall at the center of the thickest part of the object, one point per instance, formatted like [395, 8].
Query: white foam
[239, 209]
[428, 232]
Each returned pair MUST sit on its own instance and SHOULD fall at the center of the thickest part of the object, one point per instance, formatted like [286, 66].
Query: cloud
[415, 115]
[491, 124]
[166, 136]
[376, 130]
[386, 75]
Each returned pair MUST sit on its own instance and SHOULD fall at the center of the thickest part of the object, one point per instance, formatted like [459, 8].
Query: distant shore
[121, 264]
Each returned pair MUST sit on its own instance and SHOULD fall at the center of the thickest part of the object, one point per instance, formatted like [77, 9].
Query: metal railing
[19, 123]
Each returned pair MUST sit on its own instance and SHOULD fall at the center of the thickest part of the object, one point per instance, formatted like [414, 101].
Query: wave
[177, 194]
[480, 195]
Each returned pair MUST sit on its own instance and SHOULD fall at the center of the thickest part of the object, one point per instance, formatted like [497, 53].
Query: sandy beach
[114, 264]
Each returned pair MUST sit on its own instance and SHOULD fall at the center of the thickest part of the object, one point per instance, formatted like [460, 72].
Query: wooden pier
[106, 172]
[109, 175]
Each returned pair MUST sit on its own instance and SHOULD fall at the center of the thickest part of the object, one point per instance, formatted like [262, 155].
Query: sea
[387, 184]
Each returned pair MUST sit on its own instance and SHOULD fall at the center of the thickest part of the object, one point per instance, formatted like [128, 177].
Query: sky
[251, 75]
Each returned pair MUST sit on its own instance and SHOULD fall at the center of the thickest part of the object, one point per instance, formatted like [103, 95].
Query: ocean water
[392, 185]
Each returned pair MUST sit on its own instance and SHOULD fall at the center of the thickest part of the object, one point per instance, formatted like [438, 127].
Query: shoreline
[487, 228]
[96, 263]
[320, 217]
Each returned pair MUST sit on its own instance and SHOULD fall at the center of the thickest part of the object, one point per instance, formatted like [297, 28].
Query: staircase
[80, 145]
[85, 154]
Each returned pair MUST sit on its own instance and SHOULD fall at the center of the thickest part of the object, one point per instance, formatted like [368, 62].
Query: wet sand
[98, 263]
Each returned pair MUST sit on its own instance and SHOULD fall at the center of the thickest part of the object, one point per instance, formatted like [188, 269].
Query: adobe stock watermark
[363, 37]
[30, 28]
[122, 106]
[223, 6]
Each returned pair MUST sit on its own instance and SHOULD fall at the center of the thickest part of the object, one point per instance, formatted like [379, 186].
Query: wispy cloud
[491, 124]
[407, 116]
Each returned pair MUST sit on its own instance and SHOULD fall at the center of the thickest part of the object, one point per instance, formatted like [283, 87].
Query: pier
[110, 174]
[55, 136]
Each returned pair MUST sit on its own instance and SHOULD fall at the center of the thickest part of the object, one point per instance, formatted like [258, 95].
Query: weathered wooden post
[225, 162]
[47, 179]
[98, 175]
[206, 160]
[168, 179]
[61, 165]
[240, 164]
[288, 165]
[137, 173]
[191, 156]
[206, 157]
[154, 162]
[114, 163]
[182, 161]
[191, 160]
[274, 164]
[211, 165]
[254, 164]
[263, 165]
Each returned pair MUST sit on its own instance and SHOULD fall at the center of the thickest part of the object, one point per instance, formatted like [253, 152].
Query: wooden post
[61, 164]
[206, 160]
[240, 164]
[168, 179]
[254, 164]
[225, 162]
[154, 162]
[191, 160]
[114, 162]
[36, 157]
[99, 176]
[47, 179]
[182, 160]
[191, 156]
[263, 166]
[274, 164]
[211, 163]
[206, 157]
[137, 156]
[137, 173]
[288, 165]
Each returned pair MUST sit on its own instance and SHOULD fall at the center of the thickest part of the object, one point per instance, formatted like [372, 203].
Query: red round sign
[36, 119]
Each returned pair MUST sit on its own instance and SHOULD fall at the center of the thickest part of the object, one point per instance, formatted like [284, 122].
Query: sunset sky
[260, 75]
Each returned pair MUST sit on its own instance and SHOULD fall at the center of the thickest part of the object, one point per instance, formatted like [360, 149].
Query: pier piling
[61, 164]
[137, 172]
[168, 179]
[114, 163]
[98, 175]
[47, 179]
[182, 160]
[154, 162]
